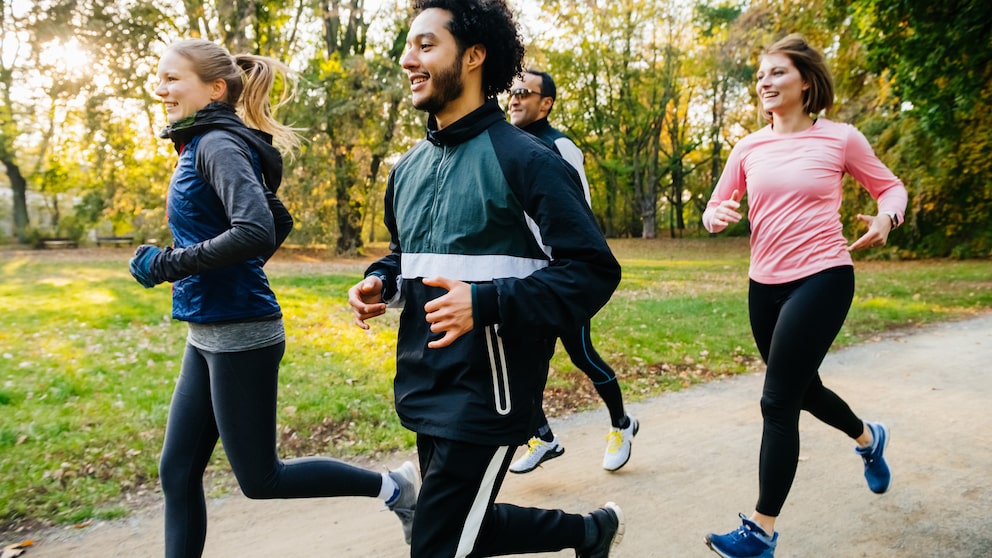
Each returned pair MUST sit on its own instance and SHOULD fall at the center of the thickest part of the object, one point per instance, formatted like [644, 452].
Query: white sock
[390, 490]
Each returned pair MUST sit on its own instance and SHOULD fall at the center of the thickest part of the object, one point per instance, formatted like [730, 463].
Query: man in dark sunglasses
[532, 96]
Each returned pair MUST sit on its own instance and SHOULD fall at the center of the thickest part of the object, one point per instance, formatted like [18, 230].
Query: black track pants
[456, 514]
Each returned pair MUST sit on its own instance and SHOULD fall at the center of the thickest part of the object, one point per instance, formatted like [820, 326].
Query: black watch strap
[893, 218]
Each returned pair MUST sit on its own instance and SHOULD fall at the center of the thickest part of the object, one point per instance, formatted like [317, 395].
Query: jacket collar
[466, 127]
[222, 116]
[538, 127]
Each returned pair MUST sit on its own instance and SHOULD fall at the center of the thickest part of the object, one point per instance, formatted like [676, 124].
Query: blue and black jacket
[225, 218]
[488, 204]
[546, 133]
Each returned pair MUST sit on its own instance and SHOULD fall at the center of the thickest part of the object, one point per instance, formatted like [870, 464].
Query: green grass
[88, 359]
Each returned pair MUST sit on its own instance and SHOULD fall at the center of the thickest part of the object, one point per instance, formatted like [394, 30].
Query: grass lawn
[88, 358]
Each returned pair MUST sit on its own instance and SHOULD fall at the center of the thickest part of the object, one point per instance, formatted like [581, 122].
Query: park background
[654, 92]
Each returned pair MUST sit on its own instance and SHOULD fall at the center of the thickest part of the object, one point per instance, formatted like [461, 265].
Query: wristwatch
[893, 218]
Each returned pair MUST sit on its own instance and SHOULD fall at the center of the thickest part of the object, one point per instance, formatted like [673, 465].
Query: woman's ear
[218, 90]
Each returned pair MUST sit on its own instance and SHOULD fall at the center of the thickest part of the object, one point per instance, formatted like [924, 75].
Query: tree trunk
[675, 201]
[19, 188]
[648, 224]
[349, 210]
[610, 214]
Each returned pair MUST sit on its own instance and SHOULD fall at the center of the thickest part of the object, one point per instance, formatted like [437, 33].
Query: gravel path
[693, 468]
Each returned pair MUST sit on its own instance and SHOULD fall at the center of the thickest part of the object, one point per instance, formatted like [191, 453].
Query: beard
[447, 85]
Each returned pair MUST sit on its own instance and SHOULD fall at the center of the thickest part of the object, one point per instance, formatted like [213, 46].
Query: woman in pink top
[801, 273]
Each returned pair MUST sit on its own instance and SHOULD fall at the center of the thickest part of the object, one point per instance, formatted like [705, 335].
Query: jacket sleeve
[388, 268]
[582, 274]
[281, 218]
[573, 156]
[225, 163]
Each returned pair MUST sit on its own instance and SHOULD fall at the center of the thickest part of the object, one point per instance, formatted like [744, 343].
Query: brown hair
[249, 81]
[812, 68]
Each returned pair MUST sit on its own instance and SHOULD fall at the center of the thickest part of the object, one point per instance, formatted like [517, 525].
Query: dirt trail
[693, 468]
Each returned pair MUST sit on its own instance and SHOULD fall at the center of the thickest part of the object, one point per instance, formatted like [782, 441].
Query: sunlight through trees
[655, 92]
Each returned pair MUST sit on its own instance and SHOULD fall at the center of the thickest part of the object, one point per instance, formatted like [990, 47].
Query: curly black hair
[492, 24]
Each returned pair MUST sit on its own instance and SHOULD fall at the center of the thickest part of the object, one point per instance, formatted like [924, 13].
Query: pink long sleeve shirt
[793, 184]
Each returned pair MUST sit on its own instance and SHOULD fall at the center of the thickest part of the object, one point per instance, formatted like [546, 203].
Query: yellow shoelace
[614, 441]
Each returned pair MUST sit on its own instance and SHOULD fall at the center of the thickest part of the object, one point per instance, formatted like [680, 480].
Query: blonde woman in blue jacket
[226, 222]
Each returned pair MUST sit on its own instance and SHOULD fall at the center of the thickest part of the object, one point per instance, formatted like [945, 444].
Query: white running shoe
[538, 451]
[408, 480]
[618, 443]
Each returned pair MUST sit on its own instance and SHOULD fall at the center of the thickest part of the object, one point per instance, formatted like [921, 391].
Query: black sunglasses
[523, 93]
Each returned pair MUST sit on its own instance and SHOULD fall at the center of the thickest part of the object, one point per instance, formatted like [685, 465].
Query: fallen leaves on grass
[574, 392]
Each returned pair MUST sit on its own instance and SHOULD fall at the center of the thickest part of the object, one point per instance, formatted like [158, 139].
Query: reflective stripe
[536, 231]
[497, 364]
[464, 267]
[480, 505]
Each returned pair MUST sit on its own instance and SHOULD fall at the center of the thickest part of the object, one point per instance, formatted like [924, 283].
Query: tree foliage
[655, 92]
[621, 98]
[938, 57]
[352, 116]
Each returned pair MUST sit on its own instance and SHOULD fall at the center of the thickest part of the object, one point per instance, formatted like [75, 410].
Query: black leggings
[233, 396]
[578, 345]
[794, 325]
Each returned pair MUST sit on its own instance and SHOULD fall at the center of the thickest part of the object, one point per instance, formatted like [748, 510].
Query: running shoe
[405, 504]
[876, 469]
[610, 522]
[538, 451]
[618, 443]
[747, 541]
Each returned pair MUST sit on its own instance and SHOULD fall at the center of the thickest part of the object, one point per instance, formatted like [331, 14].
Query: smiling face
[528, 108]
[434, 64]
[780, 86]
[181, 89]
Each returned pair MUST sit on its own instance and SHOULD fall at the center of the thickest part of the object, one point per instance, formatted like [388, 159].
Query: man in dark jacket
[494, 254]
[531, 100]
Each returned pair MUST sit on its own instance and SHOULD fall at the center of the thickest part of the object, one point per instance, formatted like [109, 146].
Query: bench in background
[114, 240]
[59, 243]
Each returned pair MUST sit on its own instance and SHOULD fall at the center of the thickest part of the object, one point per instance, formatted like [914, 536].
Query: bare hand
[726, 213]
[877, 235]
[450, 312]
[365, 299]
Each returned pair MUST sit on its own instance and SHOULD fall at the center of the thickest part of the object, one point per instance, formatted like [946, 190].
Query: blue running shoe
[747, 541]
[876, 469]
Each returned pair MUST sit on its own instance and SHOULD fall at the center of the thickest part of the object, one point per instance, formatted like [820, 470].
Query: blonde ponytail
[255, 106]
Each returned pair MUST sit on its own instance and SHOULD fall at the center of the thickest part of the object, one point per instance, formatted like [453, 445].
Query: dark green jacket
[486, 203]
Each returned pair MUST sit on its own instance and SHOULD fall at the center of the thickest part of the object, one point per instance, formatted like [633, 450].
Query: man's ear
[546, 104]
[474, 56]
